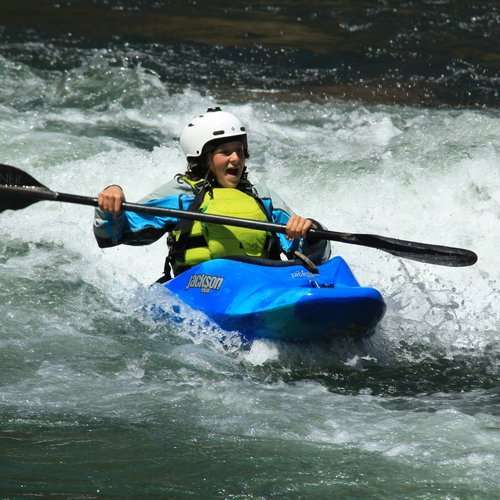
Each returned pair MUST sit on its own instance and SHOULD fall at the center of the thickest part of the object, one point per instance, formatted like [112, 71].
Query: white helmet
[214, 125]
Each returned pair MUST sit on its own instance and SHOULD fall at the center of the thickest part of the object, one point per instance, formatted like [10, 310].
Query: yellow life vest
[216, 240]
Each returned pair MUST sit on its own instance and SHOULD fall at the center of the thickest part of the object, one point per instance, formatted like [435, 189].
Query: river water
[97, 400]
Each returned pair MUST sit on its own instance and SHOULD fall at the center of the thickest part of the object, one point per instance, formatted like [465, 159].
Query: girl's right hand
[111, 198]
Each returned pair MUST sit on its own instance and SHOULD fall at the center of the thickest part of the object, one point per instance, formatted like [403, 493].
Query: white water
[417, 174]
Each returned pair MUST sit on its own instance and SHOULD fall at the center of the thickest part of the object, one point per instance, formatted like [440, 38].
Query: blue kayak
[280, 300]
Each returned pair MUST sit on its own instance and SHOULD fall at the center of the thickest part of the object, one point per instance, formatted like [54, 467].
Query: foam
[425, 175]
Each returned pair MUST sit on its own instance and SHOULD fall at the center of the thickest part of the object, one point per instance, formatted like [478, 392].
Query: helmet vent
[218, 132]
[212, 110]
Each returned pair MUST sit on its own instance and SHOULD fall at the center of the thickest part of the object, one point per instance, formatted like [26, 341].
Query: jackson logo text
[205, 282]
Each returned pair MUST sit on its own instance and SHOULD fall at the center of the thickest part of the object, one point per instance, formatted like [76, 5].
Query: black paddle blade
[18, 189]
[421, 252]
[413, 250]
[12, 176]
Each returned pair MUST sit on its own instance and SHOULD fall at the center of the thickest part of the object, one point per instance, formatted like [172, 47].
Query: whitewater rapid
[417, 402]
[410, 173]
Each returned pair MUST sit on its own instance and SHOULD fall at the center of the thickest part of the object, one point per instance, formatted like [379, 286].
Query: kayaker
[216, 182]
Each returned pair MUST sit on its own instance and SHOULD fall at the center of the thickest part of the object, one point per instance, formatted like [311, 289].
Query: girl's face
[227, 163]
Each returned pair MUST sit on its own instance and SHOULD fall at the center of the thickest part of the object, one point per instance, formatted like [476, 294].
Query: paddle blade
[19, 189]
[413, 250]
[422, 252]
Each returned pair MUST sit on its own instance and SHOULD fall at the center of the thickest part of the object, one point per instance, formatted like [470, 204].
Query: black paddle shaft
[19, 190]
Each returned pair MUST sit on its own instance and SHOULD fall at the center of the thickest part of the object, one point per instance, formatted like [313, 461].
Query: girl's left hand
[297, 227]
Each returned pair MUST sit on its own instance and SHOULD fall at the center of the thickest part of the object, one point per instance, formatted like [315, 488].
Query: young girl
[216, 148]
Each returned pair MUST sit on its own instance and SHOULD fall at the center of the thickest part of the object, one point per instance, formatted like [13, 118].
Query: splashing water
[110, 390]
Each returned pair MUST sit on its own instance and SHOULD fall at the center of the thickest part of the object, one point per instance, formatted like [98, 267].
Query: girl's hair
[197, 167]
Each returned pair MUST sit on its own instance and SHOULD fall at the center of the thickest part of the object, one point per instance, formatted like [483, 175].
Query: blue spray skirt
[280, 300]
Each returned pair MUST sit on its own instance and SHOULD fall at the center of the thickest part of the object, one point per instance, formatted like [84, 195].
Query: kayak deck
[281, 301]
